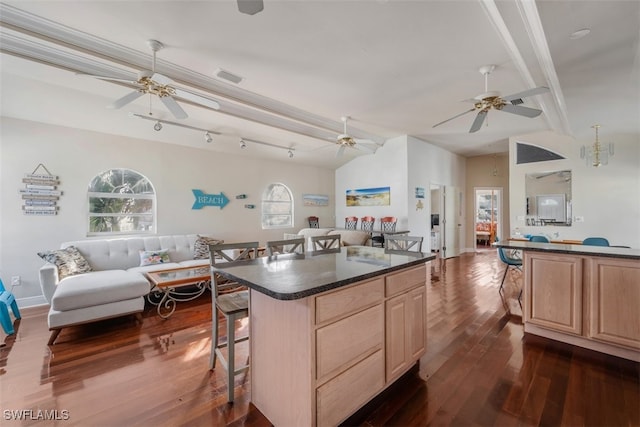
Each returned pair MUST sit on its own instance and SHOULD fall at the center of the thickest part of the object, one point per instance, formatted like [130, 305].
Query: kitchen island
[587, 296]
[329, 332]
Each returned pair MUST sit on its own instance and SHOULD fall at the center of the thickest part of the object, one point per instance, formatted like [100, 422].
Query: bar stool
[351, 222]
[7, 300]
[233, 305]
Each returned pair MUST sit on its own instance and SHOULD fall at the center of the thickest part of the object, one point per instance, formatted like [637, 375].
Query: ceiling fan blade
[161, 79]
[173, 106]
[364, 145]
[198, 99]
[250, 7]
[477, 123]
[341, 151]
[454, 117]
[530, 92]
[521, 111]
[130, 97]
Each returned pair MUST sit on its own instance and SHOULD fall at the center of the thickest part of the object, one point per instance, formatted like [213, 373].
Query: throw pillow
[154, 257]
[69, 261]
[201, 246]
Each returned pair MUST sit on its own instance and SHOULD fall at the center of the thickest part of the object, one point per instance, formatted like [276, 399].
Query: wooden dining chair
[232, 301]
[351, 223]
[403, 244]
[286, 246]
[325, 244]
[387, 225]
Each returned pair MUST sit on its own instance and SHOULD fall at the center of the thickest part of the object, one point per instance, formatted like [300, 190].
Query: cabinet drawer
[337, 304]
[343, 395]
[403, 281]
[343, 343]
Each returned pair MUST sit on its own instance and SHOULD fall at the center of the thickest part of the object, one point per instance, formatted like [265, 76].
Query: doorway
[488, 216]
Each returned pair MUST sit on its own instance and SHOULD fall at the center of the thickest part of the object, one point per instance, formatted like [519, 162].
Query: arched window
[277, 207]
[121, 201]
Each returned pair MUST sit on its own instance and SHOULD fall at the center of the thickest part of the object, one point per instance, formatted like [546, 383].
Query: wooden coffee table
[170, 286]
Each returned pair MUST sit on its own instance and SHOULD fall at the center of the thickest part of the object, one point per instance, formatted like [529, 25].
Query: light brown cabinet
[615, 299]
[335, 348]
[587, 301]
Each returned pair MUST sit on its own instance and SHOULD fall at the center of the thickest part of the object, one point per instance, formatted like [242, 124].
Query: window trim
[136, 196]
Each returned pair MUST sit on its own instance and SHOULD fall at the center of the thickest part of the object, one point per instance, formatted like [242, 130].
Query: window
[277, 207]
[121, 201]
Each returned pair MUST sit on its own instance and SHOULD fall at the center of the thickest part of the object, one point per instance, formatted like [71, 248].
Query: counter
[582, 295]
[329, 332]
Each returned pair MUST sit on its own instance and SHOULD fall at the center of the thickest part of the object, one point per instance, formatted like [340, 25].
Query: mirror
[548, 198]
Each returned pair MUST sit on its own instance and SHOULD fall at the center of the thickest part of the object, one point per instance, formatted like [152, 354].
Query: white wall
[607, 197]
[403, 164]
[76, 156]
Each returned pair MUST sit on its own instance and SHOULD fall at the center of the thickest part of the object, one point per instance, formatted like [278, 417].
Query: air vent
[225, 75]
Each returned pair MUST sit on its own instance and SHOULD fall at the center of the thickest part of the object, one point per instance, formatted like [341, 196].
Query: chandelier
[598, 154]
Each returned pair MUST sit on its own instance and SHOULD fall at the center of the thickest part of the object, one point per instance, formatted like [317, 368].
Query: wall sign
[203, 199]
[40, 195]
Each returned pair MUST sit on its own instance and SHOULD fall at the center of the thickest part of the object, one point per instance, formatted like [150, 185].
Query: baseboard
[31, 301]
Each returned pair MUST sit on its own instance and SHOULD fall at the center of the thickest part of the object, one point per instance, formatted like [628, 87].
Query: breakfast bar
[329, 332]
[587, 296]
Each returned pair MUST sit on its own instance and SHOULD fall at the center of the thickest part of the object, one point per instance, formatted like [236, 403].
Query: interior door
[452, 223]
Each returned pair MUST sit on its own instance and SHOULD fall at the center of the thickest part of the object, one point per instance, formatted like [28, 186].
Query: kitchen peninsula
[582, 295]
[329, 332]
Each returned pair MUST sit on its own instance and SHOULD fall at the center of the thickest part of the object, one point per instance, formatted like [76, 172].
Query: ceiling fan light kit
[492, 100]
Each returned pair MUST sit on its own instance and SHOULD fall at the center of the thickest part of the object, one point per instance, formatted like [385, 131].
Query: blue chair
[7, 300]
[511, 263]
[595, 241]
[541, 239]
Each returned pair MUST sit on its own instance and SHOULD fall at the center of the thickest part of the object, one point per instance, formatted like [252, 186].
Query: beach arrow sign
[203, 199]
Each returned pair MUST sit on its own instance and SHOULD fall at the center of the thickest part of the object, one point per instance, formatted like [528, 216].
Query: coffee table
[169, 287]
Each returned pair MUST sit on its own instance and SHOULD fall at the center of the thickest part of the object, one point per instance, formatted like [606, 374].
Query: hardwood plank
[478, 370]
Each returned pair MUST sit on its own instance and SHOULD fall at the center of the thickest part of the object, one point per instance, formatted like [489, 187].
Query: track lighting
[290, 154]
[158, 126]
[208, 137]
[243, 144]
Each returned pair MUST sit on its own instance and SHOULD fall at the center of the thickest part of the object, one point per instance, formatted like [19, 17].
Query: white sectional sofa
[116, 285]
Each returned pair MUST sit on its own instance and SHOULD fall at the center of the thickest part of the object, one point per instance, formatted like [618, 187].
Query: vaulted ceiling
[395, 67]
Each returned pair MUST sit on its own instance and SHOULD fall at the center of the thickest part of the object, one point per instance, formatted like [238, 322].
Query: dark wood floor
[479, 370]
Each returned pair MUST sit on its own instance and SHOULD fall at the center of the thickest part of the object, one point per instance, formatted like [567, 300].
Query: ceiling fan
[152, 83]
[492, 99]
[345, 140]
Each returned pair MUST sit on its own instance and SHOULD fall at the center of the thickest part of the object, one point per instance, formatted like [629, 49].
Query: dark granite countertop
[603, 251]
[290, 277]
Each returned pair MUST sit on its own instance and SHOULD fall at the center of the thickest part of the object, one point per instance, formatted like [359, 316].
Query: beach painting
[380, 196]
[315, 200]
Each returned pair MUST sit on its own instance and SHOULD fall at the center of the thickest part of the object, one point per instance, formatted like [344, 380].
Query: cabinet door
[553, 291]
[615, 292]
[406, 330]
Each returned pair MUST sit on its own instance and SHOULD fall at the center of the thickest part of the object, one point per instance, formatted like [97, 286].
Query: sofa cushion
[154, 257]
[201, 246]
[195, 263]
[352, 237]
[69, 261]
[98, 287]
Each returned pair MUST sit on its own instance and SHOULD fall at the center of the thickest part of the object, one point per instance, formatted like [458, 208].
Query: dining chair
[7, 300]
[366, 223]
[387, 225]
[351, 222]
[511, 263]
[314, 222]
[232, 301]
[541, 239]
[595, 241]
[403, 244]
[325, 244]
[286, 246]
